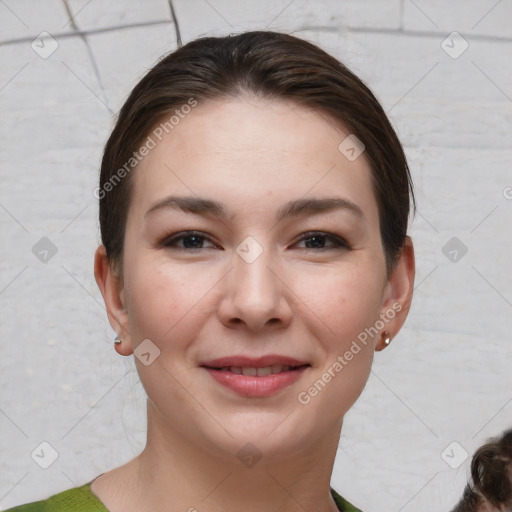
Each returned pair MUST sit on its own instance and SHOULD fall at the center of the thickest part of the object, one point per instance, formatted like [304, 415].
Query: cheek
[161, 296]
[341, 307]
[341, 302]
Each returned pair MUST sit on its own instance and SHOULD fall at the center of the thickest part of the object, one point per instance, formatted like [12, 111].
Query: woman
[254, 202]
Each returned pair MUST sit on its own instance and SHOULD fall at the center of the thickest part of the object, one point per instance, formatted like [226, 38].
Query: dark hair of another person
[491, 474]
[268, 65]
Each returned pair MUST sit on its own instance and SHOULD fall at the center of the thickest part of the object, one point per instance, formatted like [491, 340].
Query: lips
[261, 366]
[252, 371]
[256, 377]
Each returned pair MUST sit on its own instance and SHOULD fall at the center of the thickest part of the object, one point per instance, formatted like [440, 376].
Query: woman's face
[253, 242]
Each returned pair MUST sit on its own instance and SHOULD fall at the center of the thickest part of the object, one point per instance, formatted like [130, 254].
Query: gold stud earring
[386, 337]
[118, 340]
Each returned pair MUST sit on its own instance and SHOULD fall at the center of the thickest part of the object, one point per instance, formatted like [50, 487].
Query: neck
[174, 474]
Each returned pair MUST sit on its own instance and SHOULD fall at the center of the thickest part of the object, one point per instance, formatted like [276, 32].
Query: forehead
[255, 152]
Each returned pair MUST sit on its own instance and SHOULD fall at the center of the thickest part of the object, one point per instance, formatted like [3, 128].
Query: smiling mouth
[263, 371]
[256, 377]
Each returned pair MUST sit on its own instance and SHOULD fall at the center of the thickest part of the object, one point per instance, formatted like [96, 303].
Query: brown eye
[187, 240]
[323, 241]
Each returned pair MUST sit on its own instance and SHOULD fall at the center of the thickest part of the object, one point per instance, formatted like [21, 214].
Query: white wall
[445, 378]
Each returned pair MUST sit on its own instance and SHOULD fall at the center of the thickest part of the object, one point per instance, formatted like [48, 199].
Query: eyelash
[336, 241]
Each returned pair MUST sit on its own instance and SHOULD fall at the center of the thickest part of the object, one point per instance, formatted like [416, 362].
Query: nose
[255, 295]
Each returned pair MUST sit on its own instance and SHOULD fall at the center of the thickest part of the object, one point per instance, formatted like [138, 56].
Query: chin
[273, 434]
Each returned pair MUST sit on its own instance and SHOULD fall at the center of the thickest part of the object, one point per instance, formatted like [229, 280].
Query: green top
[81, 499]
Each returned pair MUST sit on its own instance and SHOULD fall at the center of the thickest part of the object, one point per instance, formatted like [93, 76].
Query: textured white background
[446, 377]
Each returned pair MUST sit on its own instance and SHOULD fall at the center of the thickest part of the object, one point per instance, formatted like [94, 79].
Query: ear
[111, 286]
[398, 294]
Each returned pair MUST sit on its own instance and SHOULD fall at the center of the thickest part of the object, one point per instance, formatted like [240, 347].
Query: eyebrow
[296, 208]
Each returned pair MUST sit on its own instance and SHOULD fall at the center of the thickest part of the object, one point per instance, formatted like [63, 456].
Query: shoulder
[342, 503]
[78, 499]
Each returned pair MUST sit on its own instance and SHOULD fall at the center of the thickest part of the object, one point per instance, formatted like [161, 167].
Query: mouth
[263, 371]
[256, 377]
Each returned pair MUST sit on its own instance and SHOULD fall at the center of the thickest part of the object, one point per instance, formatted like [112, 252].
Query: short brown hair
[268, 65]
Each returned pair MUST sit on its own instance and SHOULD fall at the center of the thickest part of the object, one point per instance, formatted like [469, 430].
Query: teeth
[263, 372]
[259, 372]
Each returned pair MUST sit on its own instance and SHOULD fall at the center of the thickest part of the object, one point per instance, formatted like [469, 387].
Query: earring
[387, 337]
[118, 340]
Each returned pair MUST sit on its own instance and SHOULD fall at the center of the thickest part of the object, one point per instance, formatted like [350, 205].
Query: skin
[295, 299]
